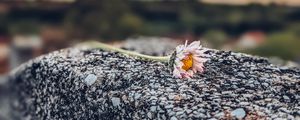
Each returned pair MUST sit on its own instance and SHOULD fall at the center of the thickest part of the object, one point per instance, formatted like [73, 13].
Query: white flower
[188, 60]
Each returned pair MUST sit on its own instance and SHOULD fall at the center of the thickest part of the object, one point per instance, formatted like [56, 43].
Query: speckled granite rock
[94, 84]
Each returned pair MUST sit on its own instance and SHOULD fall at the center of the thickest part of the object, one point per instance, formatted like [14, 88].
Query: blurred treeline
[119, 19]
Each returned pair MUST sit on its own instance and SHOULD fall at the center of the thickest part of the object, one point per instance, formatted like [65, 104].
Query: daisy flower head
[187, 60]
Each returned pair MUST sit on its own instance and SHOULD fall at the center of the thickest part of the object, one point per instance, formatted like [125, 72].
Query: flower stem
[94, 44]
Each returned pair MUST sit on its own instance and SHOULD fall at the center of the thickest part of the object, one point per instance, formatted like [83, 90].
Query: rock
[90, 79]
[96, 84]
[244, 103]
[153, 108]
[5, 109]
[286, 98]
[115, 101]
[284, 110]
[241, 74]
[173, 118]
[239, 113]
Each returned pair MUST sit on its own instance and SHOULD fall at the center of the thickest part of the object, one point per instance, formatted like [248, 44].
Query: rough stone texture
[94, 84]
[4, 99]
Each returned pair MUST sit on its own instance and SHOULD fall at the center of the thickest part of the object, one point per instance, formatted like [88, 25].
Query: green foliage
[25, 27]
[102, 19]
[119, 19]
[216, 37]
[188, 18]
[130, 23]
[3, 25]
[157, 28]
[282, 44]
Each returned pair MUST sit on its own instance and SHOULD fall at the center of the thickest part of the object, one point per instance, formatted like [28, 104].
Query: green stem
[126, 52]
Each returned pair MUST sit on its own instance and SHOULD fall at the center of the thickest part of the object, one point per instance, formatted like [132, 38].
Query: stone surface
[53, 87]
[4, 99]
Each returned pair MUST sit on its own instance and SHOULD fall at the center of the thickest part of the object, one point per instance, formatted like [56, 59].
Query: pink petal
[185, 75]
[180, 48]
[194, 44]
[185, 44]
[178, 64]
[191, 73]
[198, 52]
[194, 69]
[200, 69]
[199, 59]
[180, 55]
[186, 57]
[176, 73]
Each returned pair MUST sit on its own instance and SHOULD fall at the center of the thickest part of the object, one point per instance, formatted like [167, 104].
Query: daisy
[188, 60]
[184, 62]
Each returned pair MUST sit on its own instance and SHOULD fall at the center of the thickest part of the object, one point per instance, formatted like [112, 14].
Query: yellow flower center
[187, 62]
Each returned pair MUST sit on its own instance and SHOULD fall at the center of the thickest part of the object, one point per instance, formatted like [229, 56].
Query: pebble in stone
[240, 74]
[90, 79]
[115, 101]
[244, 103]
[149, 115]
[173, 118]
[265, 84]
[153, 108]
[239, 113]
[284, 110]
[286, 98]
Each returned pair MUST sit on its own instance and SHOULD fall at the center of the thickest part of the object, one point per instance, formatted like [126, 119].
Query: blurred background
[29, 28]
